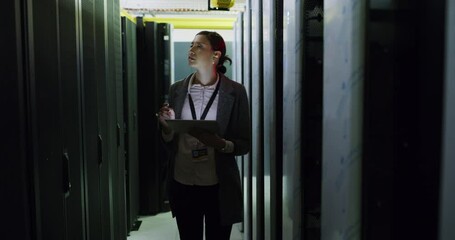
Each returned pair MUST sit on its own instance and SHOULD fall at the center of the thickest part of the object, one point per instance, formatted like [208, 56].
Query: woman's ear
[216, 54]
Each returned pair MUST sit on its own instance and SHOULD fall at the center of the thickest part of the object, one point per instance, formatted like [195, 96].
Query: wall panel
[256, 100]
[447, 207]
[269, 117]
[342, 118]
[237, 69]
[247, 163]
[292, 100]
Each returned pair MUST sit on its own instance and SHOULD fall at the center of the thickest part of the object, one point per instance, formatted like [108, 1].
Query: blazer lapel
[225, 104]
[180, 97]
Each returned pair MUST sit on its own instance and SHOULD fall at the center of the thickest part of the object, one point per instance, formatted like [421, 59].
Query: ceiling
[164, 8]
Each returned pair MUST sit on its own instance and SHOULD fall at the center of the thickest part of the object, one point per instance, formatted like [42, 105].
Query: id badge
[200, 155]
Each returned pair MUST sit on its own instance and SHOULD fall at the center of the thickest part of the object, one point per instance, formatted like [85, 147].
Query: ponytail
[220, 67]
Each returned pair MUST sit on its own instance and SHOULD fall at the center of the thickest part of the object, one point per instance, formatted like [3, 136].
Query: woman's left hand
[208, 138]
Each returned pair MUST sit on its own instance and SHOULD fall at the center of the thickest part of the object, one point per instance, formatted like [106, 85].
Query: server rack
[403, 119]
[15, 183]
[116, 125]
[312, 108]
[162, 84]
[153, 42]
[66, 107]
[70, 98]
[56, 142]
[131, 120]
[94, 120]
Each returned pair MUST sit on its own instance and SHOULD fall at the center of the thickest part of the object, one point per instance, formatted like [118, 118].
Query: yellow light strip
[195, 23]
[124, 13]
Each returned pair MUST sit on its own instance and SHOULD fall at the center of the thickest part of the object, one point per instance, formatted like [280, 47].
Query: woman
[204, 177]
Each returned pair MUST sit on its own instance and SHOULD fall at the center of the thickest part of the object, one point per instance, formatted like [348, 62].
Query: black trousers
[193, 204]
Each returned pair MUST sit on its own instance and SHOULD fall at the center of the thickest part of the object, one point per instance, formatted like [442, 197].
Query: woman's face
[200, 54]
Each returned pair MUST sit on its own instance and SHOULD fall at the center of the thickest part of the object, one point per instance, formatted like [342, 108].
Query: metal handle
[134, 120]
[118, 135]
[66, 174]
[100, 150]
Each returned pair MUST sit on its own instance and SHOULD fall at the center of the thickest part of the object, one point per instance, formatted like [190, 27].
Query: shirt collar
[197, 85]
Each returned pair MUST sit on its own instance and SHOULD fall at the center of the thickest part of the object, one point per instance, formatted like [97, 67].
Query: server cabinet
[94, 122]
[66, 105]
[70, 107]
[102, 123]
[403, 119]
[312, 84]
[131, 119]
[153, 82]
[99, 44]
[118, 169]
[16, 205]
[162, 82]
[55, 136]
[147, 106]
[106, 119]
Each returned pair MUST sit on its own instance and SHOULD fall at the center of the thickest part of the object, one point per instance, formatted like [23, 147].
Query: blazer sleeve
[171, 103]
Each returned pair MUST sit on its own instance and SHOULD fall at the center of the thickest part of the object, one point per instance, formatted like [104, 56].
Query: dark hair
[218, 44]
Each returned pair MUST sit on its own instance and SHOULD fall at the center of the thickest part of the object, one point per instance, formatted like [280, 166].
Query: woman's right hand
[166, 112]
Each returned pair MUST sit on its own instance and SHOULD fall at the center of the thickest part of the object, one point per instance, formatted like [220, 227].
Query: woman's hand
[165, 113]
[207, 138]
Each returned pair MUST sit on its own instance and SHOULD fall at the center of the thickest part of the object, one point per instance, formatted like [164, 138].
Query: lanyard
[209, 104]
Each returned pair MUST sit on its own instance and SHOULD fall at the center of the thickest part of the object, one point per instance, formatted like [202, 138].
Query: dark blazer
[233, 117]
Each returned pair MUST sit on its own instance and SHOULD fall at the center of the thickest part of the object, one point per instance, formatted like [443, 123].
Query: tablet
[183, 126]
